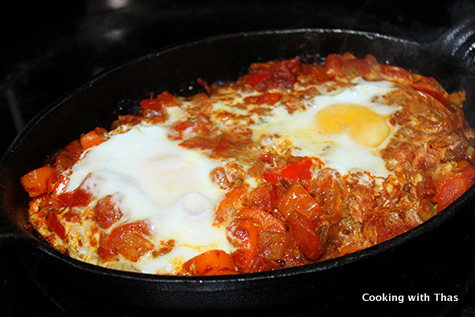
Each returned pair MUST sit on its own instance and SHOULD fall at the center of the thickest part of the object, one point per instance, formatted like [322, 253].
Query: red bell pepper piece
[295, 171]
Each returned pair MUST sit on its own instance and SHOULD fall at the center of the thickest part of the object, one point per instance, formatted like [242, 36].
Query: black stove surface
[50, 47]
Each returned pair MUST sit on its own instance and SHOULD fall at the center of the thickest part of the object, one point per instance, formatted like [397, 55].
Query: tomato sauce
[279, 209]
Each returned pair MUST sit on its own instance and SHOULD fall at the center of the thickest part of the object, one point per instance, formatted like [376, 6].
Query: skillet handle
[459, 42]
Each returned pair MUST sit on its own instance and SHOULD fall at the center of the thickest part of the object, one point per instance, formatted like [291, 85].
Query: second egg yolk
[364, 126]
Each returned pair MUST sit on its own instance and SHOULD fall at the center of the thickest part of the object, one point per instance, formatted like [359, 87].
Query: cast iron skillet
[450, 59]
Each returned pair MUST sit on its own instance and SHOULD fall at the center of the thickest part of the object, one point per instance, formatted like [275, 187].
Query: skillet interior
[219, 59]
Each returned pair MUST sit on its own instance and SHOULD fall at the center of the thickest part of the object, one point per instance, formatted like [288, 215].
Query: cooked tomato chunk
[259, 237]
[38, 181]
[264, 197]
[106, 212]
[296, 198]
[213, 262]
[231, 202]
[273, 74]
[127, 240]
[246, 234]
[301, 229]
[452, 186]
[165, 99]
[55, 225]
[268, 99]
[77, 197]
[93, 138]
[299, 170]
[272, 245]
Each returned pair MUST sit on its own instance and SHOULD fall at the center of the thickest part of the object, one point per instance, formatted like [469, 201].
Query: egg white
[298, 129]
[158, 180]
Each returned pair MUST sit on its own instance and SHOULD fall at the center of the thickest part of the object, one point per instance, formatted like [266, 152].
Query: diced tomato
[272, 245]
[74, 149]
[332, 65]
[133, 246]
[107, 250]
[299, 170]
[273, 74]
[426, 188]
[93, 138]
[272, 177]
[301, 229]
[129, 120]
[219, 177]
[296, 198]
[264, 196]
[245, 234]
[295, 171]
[450, 187]
[106, 212]
[258, 237]
[266, 158]
[265, 220]
[213, 262]
[347, 56]
[63, 162]
[430, 86]
[426, 85]
[38, 181]
[81, 196]
[199, 142]
[127, 240]
[350, 66]
[328, 193]
[55, 225]
[396, 74]
[231, 202]
[388, 227]
[68, 156]
[165, 99]
[77, 197]
[181, 126]
[254, 79]
[268, 99]
[223, 146]
[317, 75]
[233, 144]
[59, 186]
[370, 68]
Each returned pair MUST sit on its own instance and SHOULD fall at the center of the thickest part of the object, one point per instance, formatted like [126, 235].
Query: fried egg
[158, 180]
[346, 128]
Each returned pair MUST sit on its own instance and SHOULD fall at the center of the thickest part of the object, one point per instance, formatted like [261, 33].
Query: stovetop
[50, 47]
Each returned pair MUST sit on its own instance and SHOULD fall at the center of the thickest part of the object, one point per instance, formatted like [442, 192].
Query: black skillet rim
[345, 260]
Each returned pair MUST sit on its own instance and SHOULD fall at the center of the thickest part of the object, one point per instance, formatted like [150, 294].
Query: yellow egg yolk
[364, 126]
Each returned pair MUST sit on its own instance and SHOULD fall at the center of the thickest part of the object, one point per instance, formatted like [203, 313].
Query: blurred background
[48, 48]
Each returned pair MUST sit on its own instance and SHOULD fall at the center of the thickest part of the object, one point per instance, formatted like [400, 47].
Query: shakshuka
[290, 164]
